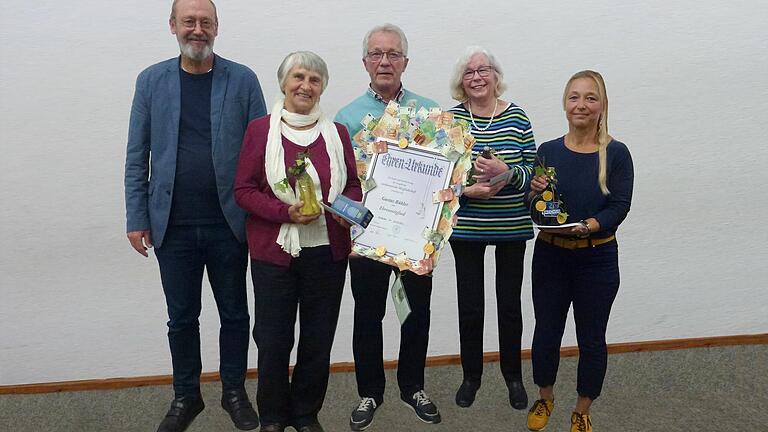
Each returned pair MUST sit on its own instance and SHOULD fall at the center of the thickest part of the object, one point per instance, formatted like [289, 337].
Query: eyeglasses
[191, 23]
[393, 56]
[484, 72]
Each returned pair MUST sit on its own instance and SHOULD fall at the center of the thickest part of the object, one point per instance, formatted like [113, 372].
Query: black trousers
[313, 284]
[470, 282]
[588, 278]
[370, 288]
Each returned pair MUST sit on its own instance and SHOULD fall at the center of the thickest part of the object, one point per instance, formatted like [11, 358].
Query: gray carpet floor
[703, 389]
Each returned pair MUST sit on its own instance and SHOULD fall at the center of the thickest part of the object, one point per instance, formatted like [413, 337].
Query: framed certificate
[405, 200]
[413, 165]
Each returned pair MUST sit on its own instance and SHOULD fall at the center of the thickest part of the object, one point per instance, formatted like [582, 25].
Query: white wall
[688, 86]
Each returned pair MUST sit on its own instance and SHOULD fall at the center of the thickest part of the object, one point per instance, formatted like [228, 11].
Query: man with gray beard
[188, 118]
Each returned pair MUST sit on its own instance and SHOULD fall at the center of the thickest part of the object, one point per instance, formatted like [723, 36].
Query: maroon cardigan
[266, 212]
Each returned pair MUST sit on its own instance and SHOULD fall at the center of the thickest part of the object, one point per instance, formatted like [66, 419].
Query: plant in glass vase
[305, 186]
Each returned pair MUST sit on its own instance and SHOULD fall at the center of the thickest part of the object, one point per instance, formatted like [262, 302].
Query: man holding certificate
[385, 57]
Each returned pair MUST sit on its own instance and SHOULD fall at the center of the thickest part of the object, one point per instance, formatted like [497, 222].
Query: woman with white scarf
[298, 261]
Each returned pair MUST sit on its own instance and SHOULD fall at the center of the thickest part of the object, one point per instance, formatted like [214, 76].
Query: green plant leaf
[282, 185]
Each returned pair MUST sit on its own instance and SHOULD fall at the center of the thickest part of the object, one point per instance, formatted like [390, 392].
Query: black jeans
[470, 282]
[185, 252]
[370, 288]
[313, 285]
[588, 278]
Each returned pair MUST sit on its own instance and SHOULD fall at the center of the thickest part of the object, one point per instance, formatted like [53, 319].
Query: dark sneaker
[362, 416]
[465, 395]
[425, 410]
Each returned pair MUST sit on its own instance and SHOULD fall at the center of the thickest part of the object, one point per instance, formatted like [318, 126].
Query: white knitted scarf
[274, 164]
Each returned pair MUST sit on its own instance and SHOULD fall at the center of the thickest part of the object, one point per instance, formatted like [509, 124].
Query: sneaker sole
[353, 426]
[359, 428]
[417, 416]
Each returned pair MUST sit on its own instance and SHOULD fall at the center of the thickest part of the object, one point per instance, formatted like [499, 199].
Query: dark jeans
[313, 284]
[370, 288]
[185, 252]
[470, 272]
[588, 278]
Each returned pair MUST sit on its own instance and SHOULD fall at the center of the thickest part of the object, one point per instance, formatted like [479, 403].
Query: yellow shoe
[581, 422]
[538, 415]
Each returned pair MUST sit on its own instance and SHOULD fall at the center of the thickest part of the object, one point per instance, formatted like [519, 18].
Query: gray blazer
[153, 136]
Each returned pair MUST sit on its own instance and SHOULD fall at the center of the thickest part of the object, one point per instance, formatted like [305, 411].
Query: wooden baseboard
[443, 360]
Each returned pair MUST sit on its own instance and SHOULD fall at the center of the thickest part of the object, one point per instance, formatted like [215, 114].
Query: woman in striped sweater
[491, 214]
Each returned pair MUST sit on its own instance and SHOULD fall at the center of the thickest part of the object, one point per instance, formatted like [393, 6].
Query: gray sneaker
[425, 410]
[362, 416]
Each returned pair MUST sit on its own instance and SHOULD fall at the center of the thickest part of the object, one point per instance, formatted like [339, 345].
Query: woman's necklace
[472, 117]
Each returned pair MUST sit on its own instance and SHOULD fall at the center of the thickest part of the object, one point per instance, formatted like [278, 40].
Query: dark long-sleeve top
[266, 212]
[577, 183]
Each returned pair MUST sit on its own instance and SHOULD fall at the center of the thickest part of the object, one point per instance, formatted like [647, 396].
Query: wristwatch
[585, 224]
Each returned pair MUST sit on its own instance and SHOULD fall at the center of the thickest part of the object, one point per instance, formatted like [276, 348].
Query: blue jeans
[588, 278]
[185, 252]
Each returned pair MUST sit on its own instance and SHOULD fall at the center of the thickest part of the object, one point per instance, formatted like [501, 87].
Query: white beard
[196, 54]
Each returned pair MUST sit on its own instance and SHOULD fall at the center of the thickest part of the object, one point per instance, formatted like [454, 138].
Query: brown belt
[569, 243]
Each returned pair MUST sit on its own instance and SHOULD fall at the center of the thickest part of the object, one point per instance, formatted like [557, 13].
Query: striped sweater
[504, 217]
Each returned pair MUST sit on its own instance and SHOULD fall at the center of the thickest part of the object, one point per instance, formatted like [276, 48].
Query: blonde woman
[579, 265]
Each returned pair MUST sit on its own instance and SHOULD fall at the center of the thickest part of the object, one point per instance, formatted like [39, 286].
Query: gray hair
[304, 59]
[457, 78]
[215, 14]
[386, 28]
